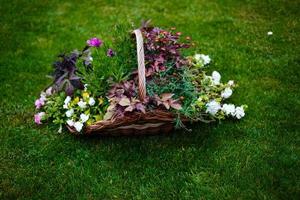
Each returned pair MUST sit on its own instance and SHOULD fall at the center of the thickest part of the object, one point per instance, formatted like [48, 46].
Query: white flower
[78, 126]
[231, 83]
[90, 58]
[85, 87]
[70, 112]
[270, 33]
[205, 58]
[216, 77]
[226, 93]
[92, 101]
[228, 109]
[197, 56]
[70, 122]
[84, 117]
[43, 96]
[81, 104]
[67, 100]
[239, 112]
[41, 114]
[49, 91]
[213, 107]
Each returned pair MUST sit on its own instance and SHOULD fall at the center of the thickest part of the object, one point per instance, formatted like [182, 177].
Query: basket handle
[141, 64]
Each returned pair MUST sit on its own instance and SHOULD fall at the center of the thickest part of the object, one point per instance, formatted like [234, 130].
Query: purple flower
[110, 53]
[38, 117]
[94, 42]
[39, 103]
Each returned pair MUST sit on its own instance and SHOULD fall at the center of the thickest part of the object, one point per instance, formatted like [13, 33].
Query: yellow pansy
[85, 95]
[76, 100]
[100, 100]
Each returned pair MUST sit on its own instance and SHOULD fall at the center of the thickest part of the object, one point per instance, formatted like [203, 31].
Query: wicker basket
[151, 122]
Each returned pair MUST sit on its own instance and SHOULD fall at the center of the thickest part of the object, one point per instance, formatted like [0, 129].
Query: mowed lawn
[255, 158]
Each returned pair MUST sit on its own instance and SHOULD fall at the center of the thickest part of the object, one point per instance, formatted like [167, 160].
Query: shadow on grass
[148, 146]
[194, 131]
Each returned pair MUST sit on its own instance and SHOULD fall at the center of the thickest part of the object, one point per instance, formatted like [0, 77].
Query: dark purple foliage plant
[65, 74]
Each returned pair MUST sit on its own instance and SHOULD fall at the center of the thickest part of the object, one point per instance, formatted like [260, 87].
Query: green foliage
[54, 109]
[57, 106]
[107, 70]
[175, 81]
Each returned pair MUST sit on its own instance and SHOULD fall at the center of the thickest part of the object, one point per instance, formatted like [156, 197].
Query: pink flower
[38, 117]
[39, 103]
[94, 42]
[110, 53]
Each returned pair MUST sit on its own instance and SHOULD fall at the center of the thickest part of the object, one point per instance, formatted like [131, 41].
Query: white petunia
[216, 77]
[213, 107]
[67, 100]
[205, 58]
[65, 106]
[70, 122]
[84, 117]
[197, 57]
[81, 104]
[228, 109]
[43, 96]
[270, 33]
[226, 93]
[70, 112]
[78, 126]
[41, 114]
[49, 91]
[85, 87]
[231, 83]
[239, 112]
[92, 101]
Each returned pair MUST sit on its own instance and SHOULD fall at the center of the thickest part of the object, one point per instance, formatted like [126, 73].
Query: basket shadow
[162, 141]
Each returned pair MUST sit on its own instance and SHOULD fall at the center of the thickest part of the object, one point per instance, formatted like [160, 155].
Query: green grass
[255, 158]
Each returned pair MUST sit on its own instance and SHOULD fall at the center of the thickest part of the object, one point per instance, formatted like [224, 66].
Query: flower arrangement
[100, 83]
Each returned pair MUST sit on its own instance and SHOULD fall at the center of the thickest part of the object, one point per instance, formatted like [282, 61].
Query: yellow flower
[85, 95]
[100, 100]
[75, 101]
